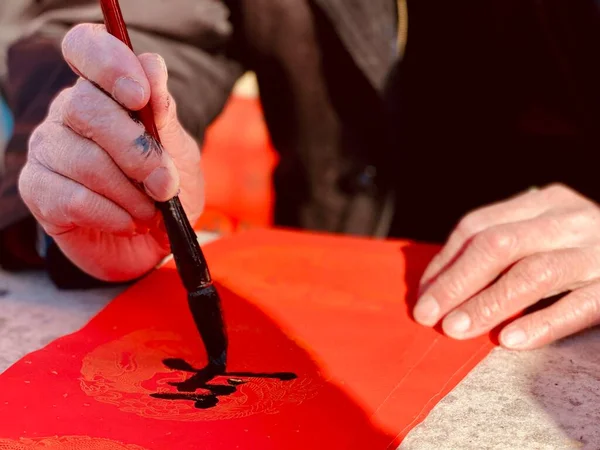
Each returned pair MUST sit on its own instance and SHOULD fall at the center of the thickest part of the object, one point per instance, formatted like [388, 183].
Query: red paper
[332, 310]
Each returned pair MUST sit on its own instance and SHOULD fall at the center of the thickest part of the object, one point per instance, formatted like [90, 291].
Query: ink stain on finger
[3, 292]
[148, 145]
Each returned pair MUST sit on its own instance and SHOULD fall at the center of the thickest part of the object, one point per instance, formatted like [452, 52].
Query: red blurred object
[238, 161]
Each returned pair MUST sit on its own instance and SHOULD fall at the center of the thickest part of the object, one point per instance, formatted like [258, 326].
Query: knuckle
[92, 159]
[557, 188]
[72, 109]
[37, 141]
[156, 63]
[89, 165]
[589, 307]
[72, 36]
[485, 311]
[449, 287]
[592, 215]
[77, 203]
[560, 192]
[132, 170]
[468, 225]
[137, 165]
[552, 225]
[541, 272]
[26, 182]
[495, 243]
[145, 156]
[170, 105]
[579, 219]
[81, 111]
[41, 146]
[55, 108]
[544, 327]
[75, 36]
[82, 31]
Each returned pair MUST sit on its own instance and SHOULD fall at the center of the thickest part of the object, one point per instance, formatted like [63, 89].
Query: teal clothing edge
[6, 120]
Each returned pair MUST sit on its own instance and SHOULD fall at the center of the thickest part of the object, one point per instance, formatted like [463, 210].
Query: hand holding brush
[100, 142]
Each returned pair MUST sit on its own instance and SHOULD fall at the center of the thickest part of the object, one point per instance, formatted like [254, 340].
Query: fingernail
[426, 311]
[129, 92]
[159, 184]
[456, 323]
[514, 337]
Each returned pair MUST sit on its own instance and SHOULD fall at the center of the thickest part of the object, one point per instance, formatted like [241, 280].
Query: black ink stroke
[187, 390]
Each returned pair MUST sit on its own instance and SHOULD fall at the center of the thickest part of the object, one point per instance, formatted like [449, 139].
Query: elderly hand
[92, 172]
[503, 258]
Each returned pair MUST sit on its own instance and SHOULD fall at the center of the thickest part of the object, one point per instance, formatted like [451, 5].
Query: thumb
[163, 104]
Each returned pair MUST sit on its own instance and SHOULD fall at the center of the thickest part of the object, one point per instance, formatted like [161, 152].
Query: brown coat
[514, 82]
[311, 58]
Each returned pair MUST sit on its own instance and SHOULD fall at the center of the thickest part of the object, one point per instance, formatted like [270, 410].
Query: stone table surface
[545, 399]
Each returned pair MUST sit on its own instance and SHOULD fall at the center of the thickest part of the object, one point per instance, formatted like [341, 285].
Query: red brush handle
[115, 25]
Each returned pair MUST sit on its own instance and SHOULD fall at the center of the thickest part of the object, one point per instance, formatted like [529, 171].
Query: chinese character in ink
[204, 380]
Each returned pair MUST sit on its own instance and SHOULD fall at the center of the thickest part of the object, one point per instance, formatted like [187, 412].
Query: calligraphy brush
[203, 299]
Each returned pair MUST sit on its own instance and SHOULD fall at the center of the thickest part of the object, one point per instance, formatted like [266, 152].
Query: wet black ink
[179, 364]
[205, 307]
[148, 145]
[192, 388]
[204, 302]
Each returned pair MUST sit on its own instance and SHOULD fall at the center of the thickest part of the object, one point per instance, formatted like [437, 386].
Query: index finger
[523, 207]
[486, 256]
[107, 62]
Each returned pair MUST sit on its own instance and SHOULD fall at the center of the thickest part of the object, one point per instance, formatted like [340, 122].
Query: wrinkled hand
[92, 172]
[503, 258]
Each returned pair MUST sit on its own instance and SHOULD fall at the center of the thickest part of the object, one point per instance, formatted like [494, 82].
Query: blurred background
[238, 160]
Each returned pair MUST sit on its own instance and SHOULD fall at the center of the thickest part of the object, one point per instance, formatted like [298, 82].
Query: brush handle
[115, 25]
[190, 261]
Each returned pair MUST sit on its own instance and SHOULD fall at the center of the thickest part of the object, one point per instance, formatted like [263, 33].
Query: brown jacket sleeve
[194, 36]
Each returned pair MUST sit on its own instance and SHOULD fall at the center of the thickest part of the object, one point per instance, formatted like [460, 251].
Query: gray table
[546, 399]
